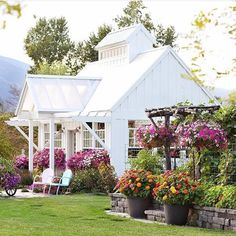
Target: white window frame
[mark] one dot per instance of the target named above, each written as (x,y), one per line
(94,143)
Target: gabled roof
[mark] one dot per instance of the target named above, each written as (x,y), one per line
(53,94)
(124,35)
(117,80)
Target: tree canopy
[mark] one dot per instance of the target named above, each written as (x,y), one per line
(48,41)
(136,12)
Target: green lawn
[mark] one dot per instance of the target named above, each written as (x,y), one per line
(78,215)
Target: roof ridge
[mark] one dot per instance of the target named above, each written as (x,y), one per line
(125,28)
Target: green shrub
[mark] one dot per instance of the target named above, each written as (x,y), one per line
(108,177)
(148,161)
(219,196)
(26,178)
(101,179)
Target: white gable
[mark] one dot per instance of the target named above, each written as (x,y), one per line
(52,94)
(154,78)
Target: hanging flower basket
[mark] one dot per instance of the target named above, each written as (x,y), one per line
(149,136)
(202,135)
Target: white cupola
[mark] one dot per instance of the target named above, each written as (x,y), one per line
(123,45)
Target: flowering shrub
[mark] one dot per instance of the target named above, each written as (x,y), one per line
(8,178)
(21,162)
(88,159)
(175,188)
(202,135)
(136,183)
(41,158)
(148,136)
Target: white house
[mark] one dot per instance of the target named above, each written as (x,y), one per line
(102,106)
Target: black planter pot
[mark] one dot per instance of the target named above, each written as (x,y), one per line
(137,206)
(176,214)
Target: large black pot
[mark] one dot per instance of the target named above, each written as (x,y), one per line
(176,214)
(137,206)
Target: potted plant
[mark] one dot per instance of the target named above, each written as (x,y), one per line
(137,186)
(149,136)
(177,191)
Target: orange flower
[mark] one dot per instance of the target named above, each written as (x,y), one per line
(179,186)
(150,180)
(138,179)
(147,187)
(139,184)
(185,191)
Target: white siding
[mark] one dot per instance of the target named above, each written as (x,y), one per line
(164,85)
(140,43)
(119,143)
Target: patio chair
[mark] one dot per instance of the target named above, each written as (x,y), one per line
(46,178)
(64,181)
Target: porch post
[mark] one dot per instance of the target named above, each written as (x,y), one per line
(51,147)
(31,147)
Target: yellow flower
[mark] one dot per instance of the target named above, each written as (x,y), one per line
(172,189)
(164,198)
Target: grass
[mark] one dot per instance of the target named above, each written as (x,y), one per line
(79,215)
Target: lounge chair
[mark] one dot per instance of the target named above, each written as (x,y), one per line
(46,179)
(64,181)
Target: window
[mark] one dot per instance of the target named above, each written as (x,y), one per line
(88,140)
(134,148)
(57,135)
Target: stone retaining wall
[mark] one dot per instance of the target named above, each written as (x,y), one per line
(214,218)
(205,217)
(118,203)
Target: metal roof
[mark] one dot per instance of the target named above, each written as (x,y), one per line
(118,79)
(123,35)
(53,94)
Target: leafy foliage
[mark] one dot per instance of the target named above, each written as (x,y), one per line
(48,41)
(147,160)
(219,196)
(220,22)
(84,51)
(135,12)
(101,179)
(56,68)
(11,141)
(6,8)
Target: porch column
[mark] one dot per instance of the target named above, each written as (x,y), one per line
(51,147)
(31,147)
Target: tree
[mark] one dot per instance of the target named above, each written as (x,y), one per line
(210,60)
(85,51)
(7,8)
(56,68)
(48,41)
(135,12)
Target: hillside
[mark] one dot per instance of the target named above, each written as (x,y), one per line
(12,73)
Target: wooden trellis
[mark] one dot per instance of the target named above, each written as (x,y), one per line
(176,111)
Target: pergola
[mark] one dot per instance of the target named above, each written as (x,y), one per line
(176,111)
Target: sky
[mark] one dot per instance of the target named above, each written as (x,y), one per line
(84,17)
